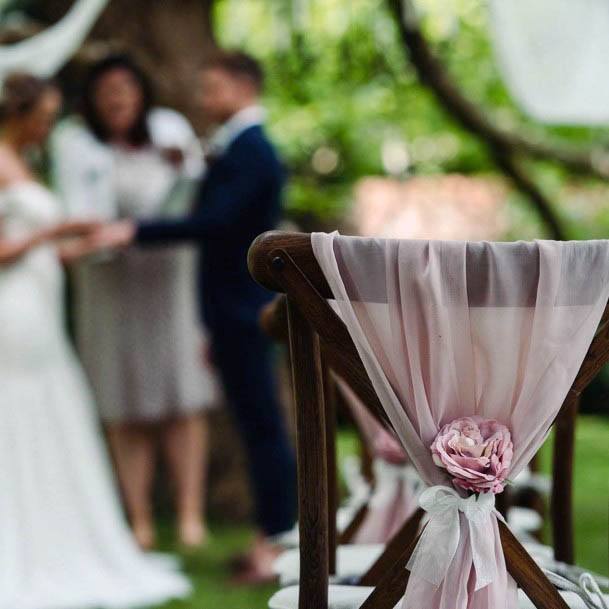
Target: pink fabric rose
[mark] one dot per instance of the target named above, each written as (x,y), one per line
(477,452)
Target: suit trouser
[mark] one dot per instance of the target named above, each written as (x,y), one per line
(244,360)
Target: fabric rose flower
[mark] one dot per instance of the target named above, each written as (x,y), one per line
(476,452)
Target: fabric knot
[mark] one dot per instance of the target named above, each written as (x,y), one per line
(440,539)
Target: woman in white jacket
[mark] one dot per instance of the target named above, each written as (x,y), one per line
(136,326)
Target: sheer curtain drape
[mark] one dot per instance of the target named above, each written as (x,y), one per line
(554,57)
(396,483)
(45,53)
(451,329)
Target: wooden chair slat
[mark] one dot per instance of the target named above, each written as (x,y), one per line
(348,535)
(392,584)
(312,473)
(339,350)
(527,573)
(408,532)
(331,460)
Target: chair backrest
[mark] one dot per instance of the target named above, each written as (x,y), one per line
(372,525)
(286,263)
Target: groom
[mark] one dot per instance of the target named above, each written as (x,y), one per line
(238,199)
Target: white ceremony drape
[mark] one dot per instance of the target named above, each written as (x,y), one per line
(554,57)
(453,329)
(44,54)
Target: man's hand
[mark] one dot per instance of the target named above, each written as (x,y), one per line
(114,235)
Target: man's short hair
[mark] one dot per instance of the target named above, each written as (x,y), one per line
(237,63)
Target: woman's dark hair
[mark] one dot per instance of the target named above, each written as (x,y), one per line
(20,94)
(139,134)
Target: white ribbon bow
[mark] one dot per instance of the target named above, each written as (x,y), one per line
(440,539)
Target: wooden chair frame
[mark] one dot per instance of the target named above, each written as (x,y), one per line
(274,322)
(285,263)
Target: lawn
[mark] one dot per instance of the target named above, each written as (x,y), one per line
(211,580)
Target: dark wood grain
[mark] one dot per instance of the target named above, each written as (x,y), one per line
(311,451)
(339,350)
(561,499)
(392,584)
(330,436)
(301,251)
(350,531)
(527,573)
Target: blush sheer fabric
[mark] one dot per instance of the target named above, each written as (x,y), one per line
(380,442)
(396,483)
(450,329)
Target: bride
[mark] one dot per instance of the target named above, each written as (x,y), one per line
(63,540)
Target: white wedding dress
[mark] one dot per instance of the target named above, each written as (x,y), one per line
(64,543)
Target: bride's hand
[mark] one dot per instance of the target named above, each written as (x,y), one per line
(104,237)
(114,235)
(74,228)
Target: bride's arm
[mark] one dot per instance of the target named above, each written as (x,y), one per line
(11,250)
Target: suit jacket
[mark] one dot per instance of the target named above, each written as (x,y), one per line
(239,198)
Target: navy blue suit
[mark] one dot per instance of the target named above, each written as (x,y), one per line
(239,198)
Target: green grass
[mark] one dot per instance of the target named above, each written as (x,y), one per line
(591,492)
(210,576)
(208,568)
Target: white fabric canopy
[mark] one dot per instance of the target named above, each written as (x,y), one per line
(554,57)
(45,53)
(449,329)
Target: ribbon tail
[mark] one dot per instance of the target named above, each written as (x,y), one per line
(482,540)
(436,547)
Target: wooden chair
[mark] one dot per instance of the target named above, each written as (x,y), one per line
(285,263)
(274,321)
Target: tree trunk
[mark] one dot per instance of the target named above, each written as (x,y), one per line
(170,38)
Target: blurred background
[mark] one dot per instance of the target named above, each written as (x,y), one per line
(383,134)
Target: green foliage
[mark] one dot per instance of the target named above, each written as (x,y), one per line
(591,491)
(338,80)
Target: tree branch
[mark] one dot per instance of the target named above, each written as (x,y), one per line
(510,167)
(432,73)
(503,146)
